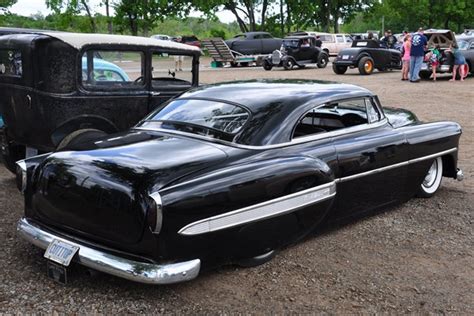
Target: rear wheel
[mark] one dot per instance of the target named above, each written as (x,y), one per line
(339,70)
(425,75)
(323,60)
(80,136)
(288,64)
(366,66)
(432,180)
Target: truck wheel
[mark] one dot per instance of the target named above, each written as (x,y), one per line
(339,70)
(288,64)
(323,60)
(80,136)
(267,65)
(366,66)
(12,154)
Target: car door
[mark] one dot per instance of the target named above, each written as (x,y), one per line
(340,42)
(370,154)
(171,74)
(305,50)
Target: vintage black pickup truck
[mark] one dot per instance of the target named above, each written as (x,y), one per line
(57,87)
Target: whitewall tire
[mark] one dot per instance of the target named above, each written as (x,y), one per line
(432,180)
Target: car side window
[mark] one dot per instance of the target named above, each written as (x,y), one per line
(265,36)
(472,45)
(348,39)
(335,116)
(373,114)
(171,70)
(112,69)
(339,39)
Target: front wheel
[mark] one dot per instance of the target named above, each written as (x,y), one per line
(323,60)
(339,70)
(366,66)
(432,180)
(267,65)
(11,154)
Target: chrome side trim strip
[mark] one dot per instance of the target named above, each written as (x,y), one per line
(397,165)
(108,263)
(268,209)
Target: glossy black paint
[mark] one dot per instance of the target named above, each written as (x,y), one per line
(383,58)
(252,43)
(99,192)
(49,100)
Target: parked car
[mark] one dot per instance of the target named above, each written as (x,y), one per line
(367,55)
(191,40)
(228,173)
(332,43)
(296,51)
(445,38)
(162,37)
(254,43)
(57,86)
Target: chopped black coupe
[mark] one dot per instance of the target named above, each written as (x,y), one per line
(297,51)
(366,55)
(228,173)
(254,43)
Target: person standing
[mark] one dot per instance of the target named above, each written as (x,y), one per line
(459,63)
(318,42)
(417,53)
(178,59)
(406,57)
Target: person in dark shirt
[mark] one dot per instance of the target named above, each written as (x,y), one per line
(389,40)
(318,42)
(417,53)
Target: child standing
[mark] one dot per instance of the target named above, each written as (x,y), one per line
(434,60)
(406,57)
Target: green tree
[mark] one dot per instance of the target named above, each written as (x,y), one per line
(5,4)
(71,8)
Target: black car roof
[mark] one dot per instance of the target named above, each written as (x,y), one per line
(275,104)
(255,94)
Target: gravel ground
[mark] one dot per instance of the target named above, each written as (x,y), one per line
(414,258)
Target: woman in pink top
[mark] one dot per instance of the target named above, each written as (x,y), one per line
(406,56)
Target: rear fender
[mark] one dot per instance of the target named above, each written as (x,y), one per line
(82,122)
(242,185)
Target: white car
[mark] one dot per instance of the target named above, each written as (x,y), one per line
(332,43)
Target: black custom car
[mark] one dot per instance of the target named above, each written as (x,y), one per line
(254,43)
(228,173)
(445,38)
(366,55)
(55,86)
(297,51)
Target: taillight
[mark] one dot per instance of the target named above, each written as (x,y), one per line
(154,213)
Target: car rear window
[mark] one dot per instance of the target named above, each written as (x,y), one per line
(10,63)
(206,115)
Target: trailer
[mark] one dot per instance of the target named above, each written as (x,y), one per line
(222,54)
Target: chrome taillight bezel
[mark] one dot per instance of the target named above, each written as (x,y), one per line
(156,197)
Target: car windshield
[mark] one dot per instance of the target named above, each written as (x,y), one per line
(463,45)
(212,118)
(293,43)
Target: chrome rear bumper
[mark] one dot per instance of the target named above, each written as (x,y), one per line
(111,264)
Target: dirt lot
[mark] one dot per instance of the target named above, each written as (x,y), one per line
(414,258)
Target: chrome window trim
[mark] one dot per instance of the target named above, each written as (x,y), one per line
(265,210)
(296,141)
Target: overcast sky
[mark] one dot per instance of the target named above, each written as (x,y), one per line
(29,7)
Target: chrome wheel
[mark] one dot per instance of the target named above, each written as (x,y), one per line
(432,180)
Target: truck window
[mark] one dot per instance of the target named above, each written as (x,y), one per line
(10,63)
(171,70)
(112,69)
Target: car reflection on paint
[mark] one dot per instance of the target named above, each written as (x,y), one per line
(230,172)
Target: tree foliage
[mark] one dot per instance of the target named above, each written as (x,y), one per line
(5,4)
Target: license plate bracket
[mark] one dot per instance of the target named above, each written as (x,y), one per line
(56,272)
(61,252)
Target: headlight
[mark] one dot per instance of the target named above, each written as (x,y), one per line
(21,176)
(155,213)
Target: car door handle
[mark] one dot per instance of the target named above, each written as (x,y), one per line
(154,94)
